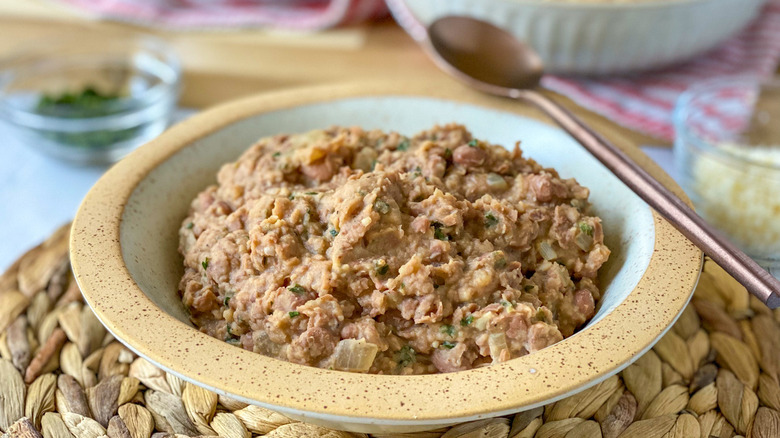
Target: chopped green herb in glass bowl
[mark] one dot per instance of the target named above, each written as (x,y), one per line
(90,103)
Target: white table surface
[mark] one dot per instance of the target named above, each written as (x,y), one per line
(38,194)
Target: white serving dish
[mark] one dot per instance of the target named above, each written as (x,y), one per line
(597,37)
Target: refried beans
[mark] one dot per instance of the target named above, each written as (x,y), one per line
(373,252)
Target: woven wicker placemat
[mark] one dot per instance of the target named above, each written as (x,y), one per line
(715,374)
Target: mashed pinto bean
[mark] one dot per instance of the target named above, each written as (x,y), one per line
(373,252)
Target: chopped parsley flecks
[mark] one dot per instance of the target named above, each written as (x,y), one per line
(293,314)
(276,154)
(490,220)
(448,329)
(291,196)
(89,102)
(448,153)
(227,298)
(382,206)
(190,225)
(205,263)
(406,356)
(586,228)
(297,289)
(467,320)
(382,269)
(448,345)
(500,263)
(438,233)
(474,143)
(528,287)
(312,193)
(403,145)
(334,232)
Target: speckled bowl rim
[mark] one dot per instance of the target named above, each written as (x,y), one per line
(587,358)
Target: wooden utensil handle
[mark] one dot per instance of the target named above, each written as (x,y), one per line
(745,270)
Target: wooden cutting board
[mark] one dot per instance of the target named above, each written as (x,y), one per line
(220,66)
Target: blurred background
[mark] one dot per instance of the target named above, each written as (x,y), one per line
(83,82)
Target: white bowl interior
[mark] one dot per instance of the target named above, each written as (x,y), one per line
(169,188)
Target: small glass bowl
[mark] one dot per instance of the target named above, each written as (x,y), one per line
(133,85)
(727,151)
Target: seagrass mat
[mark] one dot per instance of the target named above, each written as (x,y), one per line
(715,374)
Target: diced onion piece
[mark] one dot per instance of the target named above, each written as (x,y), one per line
(547,251)
(481,322)
(354,355)
(496,181)
(300,142)
(579,204)
(364,159)
(264,344)
(497,344)
(584,241)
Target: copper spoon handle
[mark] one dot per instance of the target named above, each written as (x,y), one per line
(744,269)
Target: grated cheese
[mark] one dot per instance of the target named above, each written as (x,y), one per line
(742,199)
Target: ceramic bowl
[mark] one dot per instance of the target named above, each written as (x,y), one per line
(124,255)
(597,36)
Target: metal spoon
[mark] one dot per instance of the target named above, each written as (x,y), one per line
(491,60)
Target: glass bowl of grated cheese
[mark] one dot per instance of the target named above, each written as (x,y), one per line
(727,151)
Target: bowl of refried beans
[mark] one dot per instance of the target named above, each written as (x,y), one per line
(378,260)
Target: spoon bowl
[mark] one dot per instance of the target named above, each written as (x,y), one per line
(492,60)
(482,51)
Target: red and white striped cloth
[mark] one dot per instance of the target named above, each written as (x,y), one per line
(303,15)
